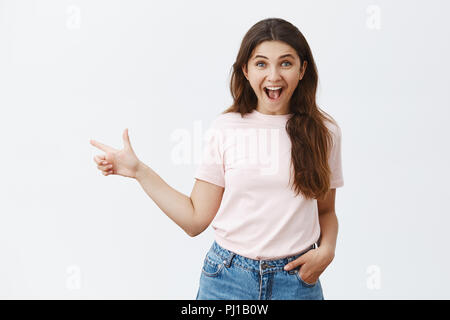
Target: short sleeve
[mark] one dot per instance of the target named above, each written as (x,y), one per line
(335,160)
(211,167)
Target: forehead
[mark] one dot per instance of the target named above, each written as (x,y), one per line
(273,49)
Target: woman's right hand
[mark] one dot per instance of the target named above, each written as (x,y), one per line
(122,162)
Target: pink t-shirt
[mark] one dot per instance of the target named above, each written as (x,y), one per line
(260,217)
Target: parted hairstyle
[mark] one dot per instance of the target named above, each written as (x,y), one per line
(310,138)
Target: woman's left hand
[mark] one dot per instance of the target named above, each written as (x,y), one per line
(313,263)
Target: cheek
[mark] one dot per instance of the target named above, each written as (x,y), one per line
(293,83)
(292,78)
(256,84)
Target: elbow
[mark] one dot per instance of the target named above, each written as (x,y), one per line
(192,233)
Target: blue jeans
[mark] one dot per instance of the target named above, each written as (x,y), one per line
(229,276)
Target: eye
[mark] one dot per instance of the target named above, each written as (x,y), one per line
(259,62)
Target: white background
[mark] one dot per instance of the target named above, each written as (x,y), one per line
(71,71)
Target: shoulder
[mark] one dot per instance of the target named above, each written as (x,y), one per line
(228,119)
(219,125)
(229,116)
(335,132)
(334,128)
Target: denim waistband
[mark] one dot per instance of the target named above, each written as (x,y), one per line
(255,265)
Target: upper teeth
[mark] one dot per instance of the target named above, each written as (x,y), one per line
(273,88)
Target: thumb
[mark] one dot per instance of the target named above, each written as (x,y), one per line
(126,139)
(295,263)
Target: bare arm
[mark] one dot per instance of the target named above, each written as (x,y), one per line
(328,223)
(193,214)
(206,198)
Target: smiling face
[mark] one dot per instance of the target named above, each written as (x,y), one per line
(274,64)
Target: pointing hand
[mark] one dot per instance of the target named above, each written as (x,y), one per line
(122,162)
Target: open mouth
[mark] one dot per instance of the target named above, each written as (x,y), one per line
(273,95)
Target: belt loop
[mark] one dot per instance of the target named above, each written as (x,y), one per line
(227,261)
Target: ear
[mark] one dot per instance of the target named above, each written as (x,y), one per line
(244,70)
(303,69)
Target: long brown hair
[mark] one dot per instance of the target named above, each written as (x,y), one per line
(310,138)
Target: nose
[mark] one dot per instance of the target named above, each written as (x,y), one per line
(274,74)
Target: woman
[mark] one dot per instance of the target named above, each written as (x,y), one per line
(273,239)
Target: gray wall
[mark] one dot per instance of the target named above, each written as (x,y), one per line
(71,71)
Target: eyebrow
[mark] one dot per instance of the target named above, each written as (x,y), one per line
(281,57)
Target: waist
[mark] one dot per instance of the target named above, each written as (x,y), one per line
(276,264)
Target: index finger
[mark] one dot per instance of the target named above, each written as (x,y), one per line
(102,146)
